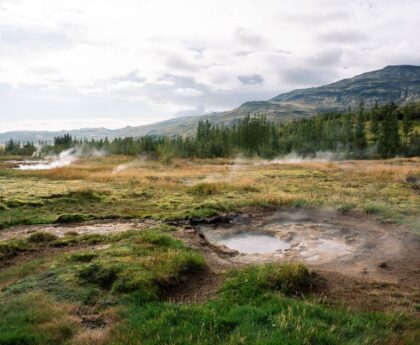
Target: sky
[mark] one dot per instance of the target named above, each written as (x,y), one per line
(106,63)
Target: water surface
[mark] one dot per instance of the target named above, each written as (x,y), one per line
(253,243)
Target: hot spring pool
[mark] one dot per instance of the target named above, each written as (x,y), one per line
(253,243)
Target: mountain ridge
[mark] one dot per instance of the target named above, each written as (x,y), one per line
(396,83)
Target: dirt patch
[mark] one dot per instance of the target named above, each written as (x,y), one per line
(336,289)
(196,288)
(352,244)
(103,227)
(363,263)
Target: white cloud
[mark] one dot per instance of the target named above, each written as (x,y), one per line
(188,92)
(141,60)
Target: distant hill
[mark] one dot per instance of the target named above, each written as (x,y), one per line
(399,84)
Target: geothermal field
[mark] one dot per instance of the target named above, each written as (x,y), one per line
(99,250)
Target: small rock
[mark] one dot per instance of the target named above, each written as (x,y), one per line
(383,265)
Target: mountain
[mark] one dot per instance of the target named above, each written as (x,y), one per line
(399,84)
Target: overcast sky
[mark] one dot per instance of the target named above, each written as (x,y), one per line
(105,63)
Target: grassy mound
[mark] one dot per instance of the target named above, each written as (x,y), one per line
(253,307)
(290,279)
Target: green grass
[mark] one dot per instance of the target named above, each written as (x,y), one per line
(265,304)
(253,308)
(34,319)
(40,240)
(146,262)
(268,304)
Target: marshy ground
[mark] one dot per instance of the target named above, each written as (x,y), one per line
(118,251)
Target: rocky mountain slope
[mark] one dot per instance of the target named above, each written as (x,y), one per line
(399,84)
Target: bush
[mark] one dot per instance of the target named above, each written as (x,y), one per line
(41,237)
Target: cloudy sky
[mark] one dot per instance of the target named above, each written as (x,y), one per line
(106,63)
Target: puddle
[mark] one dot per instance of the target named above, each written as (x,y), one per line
(254,243)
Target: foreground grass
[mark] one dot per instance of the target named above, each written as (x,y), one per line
(123,277)
(41,307)
(126,277)
(118,187)
(254,307)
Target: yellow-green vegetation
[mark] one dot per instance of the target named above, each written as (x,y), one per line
(117,187)
(110,289)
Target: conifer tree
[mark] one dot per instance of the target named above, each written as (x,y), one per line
(359,138)
(389,138)
(375,122)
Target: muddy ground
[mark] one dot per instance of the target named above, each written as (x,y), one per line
(359,262)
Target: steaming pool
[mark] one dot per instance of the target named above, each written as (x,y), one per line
(63,159)
(283,236)
(254,243)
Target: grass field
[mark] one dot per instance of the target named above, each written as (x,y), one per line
(119,187)
(111,289)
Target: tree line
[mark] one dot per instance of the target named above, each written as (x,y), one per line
(380,132)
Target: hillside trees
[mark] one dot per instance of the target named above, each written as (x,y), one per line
(393,131)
